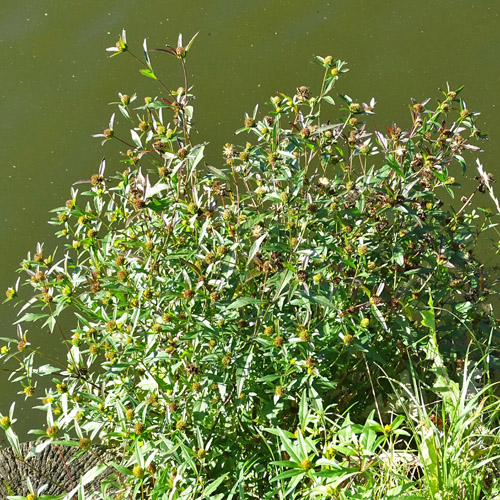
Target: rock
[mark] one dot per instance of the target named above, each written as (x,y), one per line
(48,468)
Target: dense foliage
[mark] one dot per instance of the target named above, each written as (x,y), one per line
(253,329)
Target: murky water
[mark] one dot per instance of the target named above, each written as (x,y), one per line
(56,82)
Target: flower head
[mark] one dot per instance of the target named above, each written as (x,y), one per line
(120,46)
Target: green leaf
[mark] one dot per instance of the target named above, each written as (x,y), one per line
(428,319)
(188,46)
(287,444)
(136,138)
(243,374)
(193,161)
(211,487)
(398,255)
(255,248)
(13,440)
(317,299)
(147,72)
(288,473)
(30,317)
(244,301)
(121,469)
(219,174)
(329,100)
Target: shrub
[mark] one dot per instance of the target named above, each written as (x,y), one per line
(225,318)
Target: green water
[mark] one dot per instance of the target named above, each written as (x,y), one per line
(56,81)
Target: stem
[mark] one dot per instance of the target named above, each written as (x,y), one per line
(184,123)
(65,466)
(142,63)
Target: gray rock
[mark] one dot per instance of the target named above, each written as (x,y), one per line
(48,468)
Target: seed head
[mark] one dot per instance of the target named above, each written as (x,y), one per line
(273,157)
(348,339)
(305,132)
(249,122)
(279,390)
(156,328)
(306,464)
(61,388)
(196,387)
(304,335)
(5,422)
(302,93)
(312,208)
(365,322)
(188,294)
(139,428)
(181,425)
(201,453)
(210,258)
(51,431)
(244,156)
(139,204)
(269,330)
(278,341)
(122,274)
(355,107)
(302,275)
(138,471)
(84,443)
(120,260)
(129,414)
